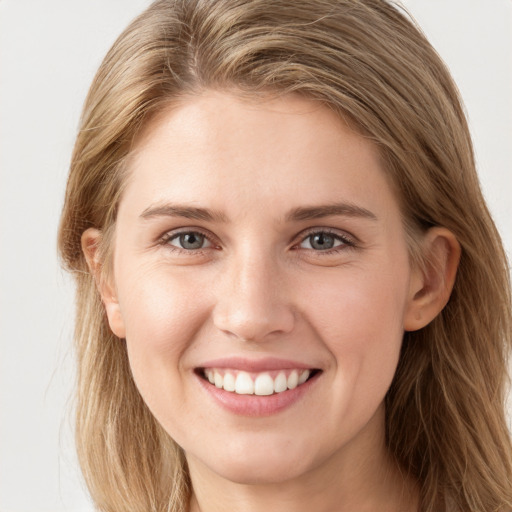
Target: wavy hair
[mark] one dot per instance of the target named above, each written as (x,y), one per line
(367,61)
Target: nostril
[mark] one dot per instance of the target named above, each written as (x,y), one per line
(254,325)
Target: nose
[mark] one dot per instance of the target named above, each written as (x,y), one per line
(252,304)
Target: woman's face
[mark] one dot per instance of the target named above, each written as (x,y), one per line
(259,244)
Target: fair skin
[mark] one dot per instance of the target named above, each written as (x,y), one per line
(264,238)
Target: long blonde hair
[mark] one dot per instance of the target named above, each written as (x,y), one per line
(366,60)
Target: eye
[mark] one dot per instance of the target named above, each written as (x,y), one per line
(323,241)
(190,241)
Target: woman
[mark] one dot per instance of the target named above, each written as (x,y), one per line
(290,292)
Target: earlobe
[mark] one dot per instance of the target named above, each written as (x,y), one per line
(91,241)
(432,284)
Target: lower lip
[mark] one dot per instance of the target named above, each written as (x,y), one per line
(255,405)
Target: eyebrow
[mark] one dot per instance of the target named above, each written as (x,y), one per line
(339,209)
(301,213)
(188,212)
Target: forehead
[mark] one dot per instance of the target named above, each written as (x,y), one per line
(237,152)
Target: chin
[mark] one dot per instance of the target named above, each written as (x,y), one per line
(261,463)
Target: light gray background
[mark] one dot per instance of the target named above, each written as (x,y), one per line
(49,51)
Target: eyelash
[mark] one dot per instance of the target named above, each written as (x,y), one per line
(348,242)
(171,235)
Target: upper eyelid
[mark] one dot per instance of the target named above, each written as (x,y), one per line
(344,235)
(173,233)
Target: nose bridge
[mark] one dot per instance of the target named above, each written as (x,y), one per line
(252,302)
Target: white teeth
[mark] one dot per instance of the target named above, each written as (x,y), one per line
(219,380)
(293,379)
(244,384)
(281,383)
(263,384)
(229,382)
(303,377)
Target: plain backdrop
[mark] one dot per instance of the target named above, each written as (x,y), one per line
(49,51)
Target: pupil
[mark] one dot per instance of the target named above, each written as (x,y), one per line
(322,241)
(191,241)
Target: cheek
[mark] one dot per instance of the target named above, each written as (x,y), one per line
(358,304)
(159,305)
(163,315)
(359,317)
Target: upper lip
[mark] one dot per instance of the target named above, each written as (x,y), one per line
(255,365)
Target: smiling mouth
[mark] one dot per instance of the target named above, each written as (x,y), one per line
(256,383)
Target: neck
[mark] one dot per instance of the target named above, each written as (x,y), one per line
(361,476)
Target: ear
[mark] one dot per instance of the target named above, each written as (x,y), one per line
(91,241)
(432,284)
